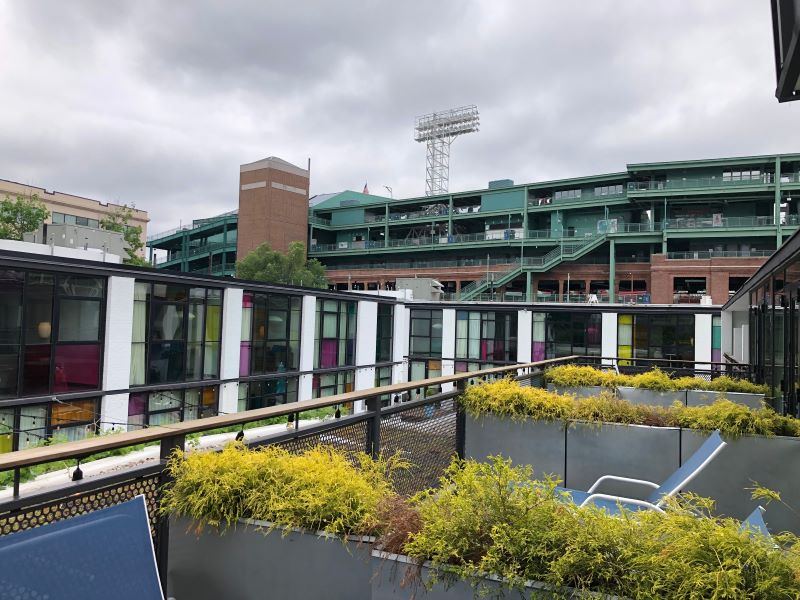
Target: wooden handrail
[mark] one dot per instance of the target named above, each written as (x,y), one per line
(87,447)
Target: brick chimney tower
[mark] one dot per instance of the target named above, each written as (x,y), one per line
(273,205)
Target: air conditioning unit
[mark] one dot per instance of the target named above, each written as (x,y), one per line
(343,245)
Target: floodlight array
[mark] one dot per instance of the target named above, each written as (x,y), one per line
(446,124)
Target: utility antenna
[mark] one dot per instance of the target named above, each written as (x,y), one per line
(438,130)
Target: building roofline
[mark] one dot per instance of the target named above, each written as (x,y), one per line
(26,260)
(51,193)
(756,159)
(564,182)
(438,198)
(273,162)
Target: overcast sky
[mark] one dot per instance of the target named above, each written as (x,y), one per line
(157,103)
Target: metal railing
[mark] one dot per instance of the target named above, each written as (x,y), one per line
(676,367)
(472,262)
(197,251)
(718,222)
(194,225)
(439,211)
(696,255)
(585,195)
(702,182)
(314,220)
(427,429)
(496,235)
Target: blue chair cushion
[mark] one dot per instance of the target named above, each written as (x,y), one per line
(103,554)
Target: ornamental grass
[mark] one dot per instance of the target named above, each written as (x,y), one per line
(321,489)
(655,379)
(491,518)
(507,398)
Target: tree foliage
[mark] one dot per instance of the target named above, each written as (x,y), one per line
(118,221)
(21,216)
(292,268)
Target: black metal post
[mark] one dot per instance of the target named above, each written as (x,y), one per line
(17,477)
(374,427)
(162,528)
(461,420)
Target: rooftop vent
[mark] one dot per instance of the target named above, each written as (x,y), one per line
(500,183)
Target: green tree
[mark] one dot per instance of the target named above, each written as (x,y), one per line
(21,216)
(266,264)
(118,221)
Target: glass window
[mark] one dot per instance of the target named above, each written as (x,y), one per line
(335,334)
(668,337)
(177,333)
(330,384)
(166,362)
(57,218)
(167,323)
(79,320)
(77,367)
(426,333)
(32,426)
(489,336)
(141,295)
(272,342)
(558,334)
(385,324)
(50,332)
(169,292)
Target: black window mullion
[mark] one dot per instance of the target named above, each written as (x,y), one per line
(21,340)
(54,320)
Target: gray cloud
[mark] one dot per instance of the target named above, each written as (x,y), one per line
(157,103)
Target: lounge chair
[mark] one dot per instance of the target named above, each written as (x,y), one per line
(655,501)
(755,524)
(103,554)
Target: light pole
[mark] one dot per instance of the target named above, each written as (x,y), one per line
(633,298)
(388,189)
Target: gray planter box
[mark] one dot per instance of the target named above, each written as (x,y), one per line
(393,580)
(650,397)
(586,391)
(540,444)
(635,451)
(773,462)
(243,563)
(703,398)
(583,452)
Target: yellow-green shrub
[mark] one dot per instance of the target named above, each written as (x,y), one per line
(577,376)
(734,419)
(507,398)
(320,489)
(655,379)
(491,518)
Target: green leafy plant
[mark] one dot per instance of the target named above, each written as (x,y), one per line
(506,398)
(21,216)
(320,489)
(491,518)
(117,221)
(293,267)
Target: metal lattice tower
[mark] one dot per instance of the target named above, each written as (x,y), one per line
(438,130)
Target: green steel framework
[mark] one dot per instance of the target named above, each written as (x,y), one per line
(534,227)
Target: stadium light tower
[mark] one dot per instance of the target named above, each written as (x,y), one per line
(438,130)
